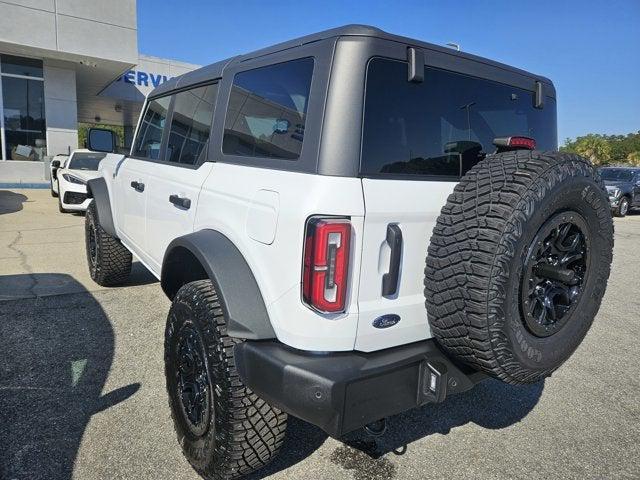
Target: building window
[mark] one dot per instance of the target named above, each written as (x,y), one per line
(26,67)
(22,105)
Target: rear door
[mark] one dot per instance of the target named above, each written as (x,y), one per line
(174,182)
(417,140)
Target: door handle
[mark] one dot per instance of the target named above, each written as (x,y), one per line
(181,202)
(137,186)
(390,279)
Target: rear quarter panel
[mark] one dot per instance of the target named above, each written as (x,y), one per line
(263,212)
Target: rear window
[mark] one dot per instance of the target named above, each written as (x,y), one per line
(267,111)
(86,161)
(444,125)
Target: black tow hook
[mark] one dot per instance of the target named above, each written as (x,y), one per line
(377,428)
(563,275)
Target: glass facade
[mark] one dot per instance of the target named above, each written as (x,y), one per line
(23,110)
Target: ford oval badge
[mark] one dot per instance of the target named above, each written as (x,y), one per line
(386,321)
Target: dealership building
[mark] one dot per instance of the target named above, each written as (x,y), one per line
(64,62)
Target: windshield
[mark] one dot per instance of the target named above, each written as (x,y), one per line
(616,174)
(85,161)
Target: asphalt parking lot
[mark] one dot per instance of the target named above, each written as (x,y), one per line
(82,386)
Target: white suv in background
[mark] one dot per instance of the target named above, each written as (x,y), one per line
(72,177)
(349,225)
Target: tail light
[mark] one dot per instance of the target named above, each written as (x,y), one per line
(515,143)
(326,264)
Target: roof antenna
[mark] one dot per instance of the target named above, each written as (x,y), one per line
(453,45)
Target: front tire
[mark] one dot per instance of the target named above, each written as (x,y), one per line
(109,261)
(623,208)
(225,430)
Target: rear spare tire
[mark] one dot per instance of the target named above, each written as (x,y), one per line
(518,263)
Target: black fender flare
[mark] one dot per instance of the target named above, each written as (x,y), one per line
(97,189)
(226,267)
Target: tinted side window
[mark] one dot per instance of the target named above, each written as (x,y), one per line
(267,110)
(150,133)
(191,124)
(444,125)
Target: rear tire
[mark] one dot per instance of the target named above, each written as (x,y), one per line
(507,288)
(109,261)
(225,430)
(622,208)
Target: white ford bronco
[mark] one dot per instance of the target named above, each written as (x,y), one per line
(349,225)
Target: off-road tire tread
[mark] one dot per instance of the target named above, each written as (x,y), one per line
(113,264)
(249,431)
(474,238)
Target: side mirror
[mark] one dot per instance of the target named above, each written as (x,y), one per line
(101,140)
(55,164)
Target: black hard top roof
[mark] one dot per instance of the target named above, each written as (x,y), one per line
(215,70)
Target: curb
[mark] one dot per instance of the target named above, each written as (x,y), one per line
(25,185)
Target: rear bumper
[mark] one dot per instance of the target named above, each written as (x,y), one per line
(343,391)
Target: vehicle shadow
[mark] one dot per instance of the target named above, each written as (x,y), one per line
(491,404)
(55,355)
(139,276)
(11,202)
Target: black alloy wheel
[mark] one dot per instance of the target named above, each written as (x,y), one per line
(554,273)
(92,244)
(192,381)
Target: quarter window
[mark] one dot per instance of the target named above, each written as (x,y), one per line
(191,125)
(267,111)
(444,125)
(149,138)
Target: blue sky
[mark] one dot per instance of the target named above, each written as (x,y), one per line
(589,48)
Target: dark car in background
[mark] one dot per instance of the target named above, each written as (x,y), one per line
(623,188)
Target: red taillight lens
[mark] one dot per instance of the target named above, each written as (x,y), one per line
(514,143)
(522,142)
(326,264)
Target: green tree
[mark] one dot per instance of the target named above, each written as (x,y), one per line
(634,158)
(606,149)
(594,147)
